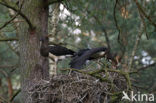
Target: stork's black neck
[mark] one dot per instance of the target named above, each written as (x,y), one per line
(44,50)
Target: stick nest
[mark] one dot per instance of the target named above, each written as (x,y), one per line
(77,88)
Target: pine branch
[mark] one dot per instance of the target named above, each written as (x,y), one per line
(12,6)
(8,39)
(145,15)
(143,68)
(8,22)
(135,47)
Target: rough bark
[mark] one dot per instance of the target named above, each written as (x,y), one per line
(54,23)
(33,66)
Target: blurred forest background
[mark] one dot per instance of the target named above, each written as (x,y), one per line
(126,27)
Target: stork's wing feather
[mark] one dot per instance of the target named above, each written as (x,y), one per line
(78,61)
(60,50)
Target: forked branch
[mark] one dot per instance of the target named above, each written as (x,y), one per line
(12,6)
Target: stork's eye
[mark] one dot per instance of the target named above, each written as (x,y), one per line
(41,39)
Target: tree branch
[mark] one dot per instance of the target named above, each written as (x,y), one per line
(4,73)
(10,88)
(9,43)
(143,21)
(3,100)
(143,68)
(8,39)
(122,46)
(135,47)
(12,67)
(12,98)
(142,11)
(103,29)
(11,5)
(115,20)
(8,22)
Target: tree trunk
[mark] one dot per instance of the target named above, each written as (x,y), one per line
(33,66)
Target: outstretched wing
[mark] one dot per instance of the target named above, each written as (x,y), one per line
(81,52)
(78,61)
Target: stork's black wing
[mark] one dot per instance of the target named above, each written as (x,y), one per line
(60,50)
(80,52)
(78,61)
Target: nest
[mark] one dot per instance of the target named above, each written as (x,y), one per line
(76,88)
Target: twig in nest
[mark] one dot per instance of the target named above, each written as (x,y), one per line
(98,76)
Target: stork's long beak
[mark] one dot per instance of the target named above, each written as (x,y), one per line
(99,55)
(40,40)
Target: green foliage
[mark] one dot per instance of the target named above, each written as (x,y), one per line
(90,17)
(93,16)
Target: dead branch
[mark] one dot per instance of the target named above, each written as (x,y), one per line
(11,5)
(118,28)
(4,73)
(3,100)
(8,39)
(13,67)
(103,29)
(143,68)
(8,22)
(143,22)
(115,19)
(135,47)
(145,15)
(9,43)
(10,89)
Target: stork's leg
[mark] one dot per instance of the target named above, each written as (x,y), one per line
(53,64)
(70,71)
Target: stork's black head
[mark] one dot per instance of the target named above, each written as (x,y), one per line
(44,49)
(44,38)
